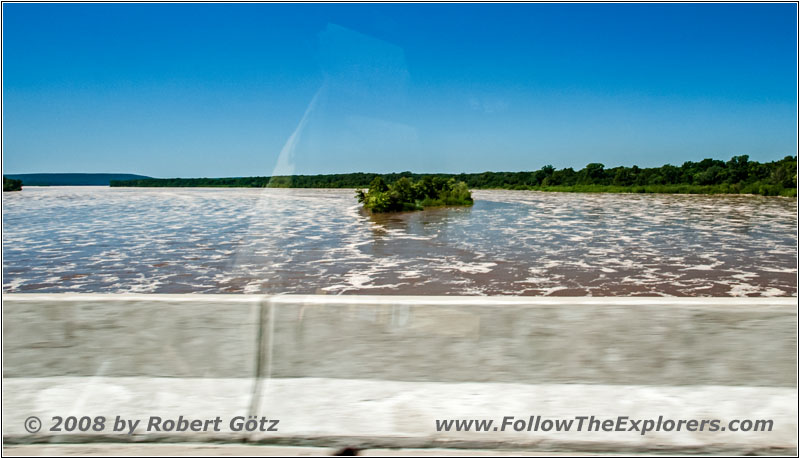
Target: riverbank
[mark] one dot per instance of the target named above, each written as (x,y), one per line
(739,175)
(757,190)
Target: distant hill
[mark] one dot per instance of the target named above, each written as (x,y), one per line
(72,179)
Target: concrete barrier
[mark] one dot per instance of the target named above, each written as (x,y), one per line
(379,371)
(213,336)
(660,341)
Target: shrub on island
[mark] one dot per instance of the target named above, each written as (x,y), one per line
(406,195)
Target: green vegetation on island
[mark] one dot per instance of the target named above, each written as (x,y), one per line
(739,175)
(11,184)
(406,195)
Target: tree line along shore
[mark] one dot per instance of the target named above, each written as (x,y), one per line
(739,175)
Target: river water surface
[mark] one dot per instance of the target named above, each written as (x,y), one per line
(179,240)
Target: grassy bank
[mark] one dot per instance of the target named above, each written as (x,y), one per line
(756,189)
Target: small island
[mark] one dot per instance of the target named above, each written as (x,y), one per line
(407,195)
(11,184)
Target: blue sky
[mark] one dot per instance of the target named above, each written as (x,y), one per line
(175,90)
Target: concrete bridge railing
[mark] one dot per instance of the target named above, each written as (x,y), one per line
(379,371)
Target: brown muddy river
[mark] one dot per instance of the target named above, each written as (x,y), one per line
(110,240)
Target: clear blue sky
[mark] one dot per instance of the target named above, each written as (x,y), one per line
(171,90)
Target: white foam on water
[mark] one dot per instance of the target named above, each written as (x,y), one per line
(302,241)
(550,290)
(534,280)
(700,268)
(743,289)
(471,268)
(772,269)
(772,291)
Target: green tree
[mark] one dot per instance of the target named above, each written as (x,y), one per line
(593,173)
